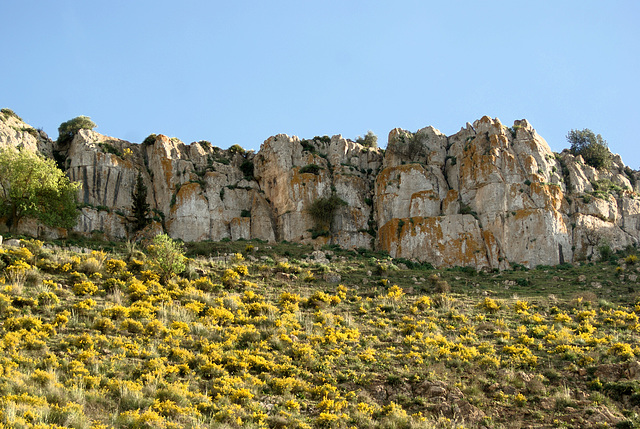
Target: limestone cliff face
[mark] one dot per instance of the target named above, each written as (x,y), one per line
(501,196)
(487,196)
(198,192)
(293,174)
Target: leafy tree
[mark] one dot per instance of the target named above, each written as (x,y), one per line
(67,130)
(140,208)
(369,140)
(167,256)
(32,186)
(593,148)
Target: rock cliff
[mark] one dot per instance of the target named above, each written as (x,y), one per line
(488,196)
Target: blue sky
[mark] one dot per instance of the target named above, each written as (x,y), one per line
(237,72)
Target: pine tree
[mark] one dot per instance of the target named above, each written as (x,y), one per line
(140,207)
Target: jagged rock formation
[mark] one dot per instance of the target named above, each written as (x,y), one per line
(487,196)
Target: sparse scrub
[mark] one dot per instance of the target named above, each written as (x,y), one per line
(255,343)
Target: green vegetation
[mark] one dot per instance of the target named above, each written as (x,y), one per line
(309,145)
(32,186)
(593,148)
(167,256)
(369,140)
(206,144)
(311,168)
(150,139)
(140,208)
(236,148)
(67,130)
(322,211)
(109,148)
(101,340)
(247,169)
(8,113)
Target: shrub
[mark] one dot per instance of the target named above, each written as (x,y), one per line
(167,256)
(322,211)
(310,168)
(85,288)
(369,140)
(631,259)
(489,305)
(236,148)
(606,253)
(150,139)
(10,113)
(115,266)
(67,130)
(593,148)
(247,169)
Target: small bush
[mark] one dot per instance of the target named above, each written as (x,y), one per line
(115,266)
(310,168)
(236,149)
(10,113)
(606,253)
(85,288)
(322,211)
(247,169)
(150,139)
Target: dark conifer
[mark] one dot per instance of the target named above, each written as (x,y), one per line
(140,207)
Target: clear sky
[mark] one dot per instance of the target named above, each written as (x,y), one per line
(240,71)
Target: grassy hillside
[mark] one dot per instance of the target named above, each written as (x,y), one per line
(257,335)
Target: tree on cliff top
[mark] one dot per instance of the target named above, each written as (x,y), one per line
(593,148)
(67,130)
(369,140)
(32,186)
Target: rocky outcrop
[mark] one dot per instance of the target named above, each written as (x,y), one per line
(14,132)
(516,200)
(293,174)
(488,196)
(197,192)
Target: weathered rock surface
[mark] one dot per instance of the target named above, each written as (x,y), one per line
(293,174)
(518,200)
(15,132)
(487,196)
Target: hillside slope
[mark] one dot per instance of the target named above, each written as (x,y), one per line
(246,337)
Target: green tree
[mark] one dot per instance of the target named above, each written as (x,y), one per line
(32,186)
(593,148)
(167,256)
(369,140)
(140,208)
(67,130)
